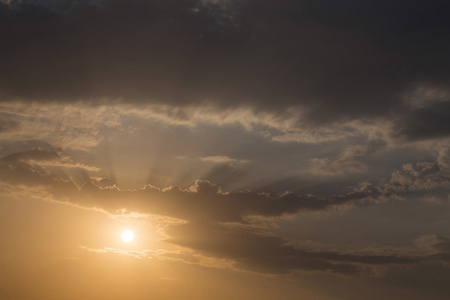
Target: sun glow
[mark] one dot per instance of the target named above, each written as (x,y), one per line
(127,236)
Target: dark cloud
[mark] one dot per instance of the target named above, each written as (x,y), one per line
(33,154)
(45,165)
(14,146)
(217,223)
(17,172)
(226,174)
(431,278)
(269,254)
(204,200)
(429,122)
(423,175)
(270,54)
(205,203)
(8,124)
(442,244)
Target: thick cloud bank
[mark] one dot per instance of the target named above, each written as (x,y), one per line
(335,61)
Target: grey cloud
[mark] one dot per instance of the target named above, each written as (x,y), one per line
(226,174)
(204,201)
(423,175)
(210,215)
(45,165)
(424,123)
(412,180)
(17,172)
(346,163)
(7,124)
(349,161)
(33,154)
(270,254)
(442,247)
(442,244)
(270,55)
(443,159)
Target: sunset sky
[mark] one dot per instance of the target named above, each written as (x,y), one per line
(255,149)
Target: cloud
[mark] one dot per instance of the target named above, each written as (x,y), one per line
(226,175)
(221,159)
(316,135)
(262,253)
(207,215)
(204,200)
(441,245)
(423,175)
(266,55)
(46,166)
(347,162)
(342,165)
(47,157)
(430,122)
(7,124)
(38,154)
(65,126)
(147,253)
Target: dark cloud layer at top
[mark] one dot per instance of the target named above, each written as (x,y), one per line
(354,59)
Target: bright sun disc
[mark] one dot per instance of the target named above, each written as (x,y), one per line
(127,236)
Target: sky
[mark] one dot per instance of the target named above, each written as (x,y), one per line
(257,149)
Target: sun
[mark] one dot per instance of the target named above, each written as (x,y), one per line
(127,236)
